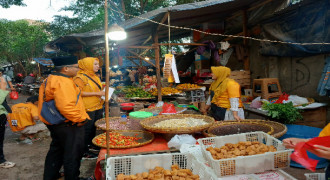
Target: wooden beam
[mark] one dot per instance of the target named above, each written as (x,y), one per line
(136,54)
(148,39)
(136,47)
(81,41)
(183,44)
(162,21)
(159,84)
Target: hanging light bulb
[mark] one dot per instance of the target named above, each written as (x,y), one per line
(116,33)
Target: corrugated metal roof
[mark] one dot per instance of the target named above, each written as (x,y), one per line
(191,15)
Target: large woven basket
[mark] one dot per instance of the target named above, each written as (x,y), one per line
(235,127)
(147,137)
(157,110)
(279,128)
(148,123)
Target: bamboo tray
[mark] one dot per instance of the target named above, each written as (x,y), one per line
(148,124)
(147,137)
(157,110)
(279,128)
(228,128)
(101,122)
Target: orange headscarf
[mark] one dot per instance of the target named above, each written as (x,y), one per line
(220,84)
(86,66)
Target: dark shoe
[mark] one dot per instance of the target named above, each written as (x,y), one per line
(94,148)
(89,155)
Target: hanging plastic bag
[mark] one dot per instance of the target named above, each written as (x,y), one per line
(256,103)
(13,95)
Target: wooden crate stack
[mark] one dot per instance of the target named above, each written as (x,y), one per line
(242,77)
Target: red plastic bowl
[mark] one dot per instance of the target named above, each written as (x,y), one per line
(127,106)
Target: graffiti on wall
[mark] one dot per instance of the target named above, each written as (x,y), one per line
(300,74)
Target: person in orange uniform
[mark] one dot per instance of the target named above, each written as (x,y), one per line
(225,96)
(23,119)
(67,143)
(321,151)
(91,87)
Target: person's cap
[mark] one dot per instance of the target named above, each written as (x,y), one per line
(65,60)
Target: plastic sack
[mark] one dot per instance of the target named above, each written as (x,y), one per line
(178,140)
(300,151)
(256,103)
(297,100)
(160,104)
(168,109)
(13,95)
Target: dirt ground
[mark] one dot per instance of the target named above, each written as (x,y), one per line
(30,159)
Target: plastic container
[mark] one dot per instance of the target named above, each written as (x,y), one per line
(135,118)
(123,119)
(305,132)
(129,165)
(246,164)
(315,176)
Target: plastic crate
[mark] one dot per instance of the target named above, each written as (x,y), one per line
(246,164)
(142,163)
(315,176)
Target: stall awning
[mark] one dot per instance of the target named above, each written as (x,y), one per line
(44,61)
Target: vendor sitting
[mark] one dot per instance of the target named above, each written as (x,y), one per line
(23,120)
(225,96)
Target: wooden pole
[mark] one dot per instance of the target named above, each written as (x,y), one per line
(159,84)
(107,63)
(245,41)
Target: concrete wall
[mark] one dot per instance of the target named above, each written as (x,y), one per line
(297,76)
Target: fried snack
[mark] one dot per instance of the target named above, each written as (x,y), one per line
(159,173)
(248,148)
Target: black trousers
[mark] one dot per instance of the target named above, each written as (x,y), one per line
(65,149)
(218,113)
(90,129)
(327,172)
(3,120)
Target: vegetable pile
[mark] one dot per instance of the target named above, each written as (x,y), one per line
(118,140)
(285,113)
(136,92)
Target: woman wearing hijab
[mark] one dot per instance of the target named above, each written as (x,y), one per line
(225,96)
(91,87)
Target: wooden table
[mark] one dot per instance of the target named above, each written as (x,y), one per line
(315,117)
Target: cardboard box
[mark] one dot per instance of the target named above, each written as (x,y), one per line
(203,64)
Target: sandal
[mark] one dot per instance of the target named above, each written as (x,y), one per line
(7,164)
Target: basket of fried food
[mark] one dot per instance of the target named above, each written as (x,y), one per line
(157,110)
(177,123)
(124,139)
(273,128)
(188,87)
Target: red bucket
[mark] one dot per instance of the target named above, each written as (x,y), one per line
(127,106)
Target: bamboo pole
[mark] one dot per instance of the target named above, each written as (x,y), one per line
(107,63)
(245,41)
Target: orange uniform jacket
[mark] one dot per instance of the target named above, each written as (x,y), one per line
(22,116)
(64,91)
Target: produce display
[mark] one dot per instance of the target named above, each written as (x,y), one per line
(131,92)
(116,125)
(177,123)
(160,173)
(166,91)
(248,148)
(187,86)
(117,139)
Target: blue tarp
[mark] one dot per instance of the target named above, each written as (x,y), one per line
(44,61)
(306,22)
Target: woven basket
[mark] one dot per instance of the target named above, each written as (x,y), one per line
(157,110)
(147,137)
(229,127)
(149,122)
(279,129)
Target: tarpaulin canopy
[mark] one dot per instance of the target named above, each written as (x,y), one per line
(192,15)
(306,22)
(44,61)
